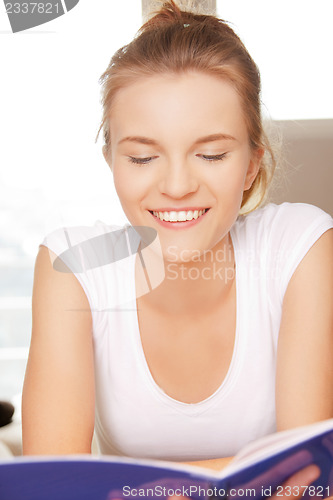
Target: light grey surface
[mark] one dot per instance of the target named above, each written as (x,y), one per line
(5,451)
(11,439)
(307,157)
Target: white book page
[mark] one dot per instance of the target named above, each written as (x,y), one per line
(274,443)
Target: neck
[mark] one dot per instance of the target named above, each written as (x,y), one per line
(188,287)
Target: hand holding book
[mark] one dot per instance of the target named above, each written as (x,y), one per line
(265,485)
(289,465)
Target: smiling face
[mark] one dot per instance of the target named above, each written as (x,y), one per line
(181,159)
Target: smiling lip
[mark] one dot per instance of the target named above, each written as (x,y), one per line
(188,216)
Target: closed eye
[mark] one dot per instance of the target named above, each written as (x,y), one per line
(141,161)
(213,158)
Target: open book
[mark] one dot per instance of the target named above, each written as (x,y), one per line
(256,472)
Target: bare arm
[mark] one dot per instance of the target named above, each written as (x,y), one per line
(304,389)
(213,464)
(58,393)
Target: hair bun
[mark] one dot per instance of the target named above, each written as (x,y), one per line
(171,13)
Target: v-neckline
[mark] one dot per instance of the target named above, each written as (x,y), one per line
(232,369)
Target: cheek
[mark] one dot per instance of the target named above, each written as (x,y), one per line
(229,184)
(133,183)
(124,184)
(238,171)
(131,190)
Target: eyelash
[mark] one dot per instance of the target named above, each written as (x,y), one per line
(144,161)
(141,161)
(213,158)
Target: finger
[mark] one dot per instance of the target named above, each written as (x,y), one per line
(272,477)
(292,488)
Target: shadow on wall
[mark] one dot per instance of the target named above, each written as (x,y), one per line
(307,157)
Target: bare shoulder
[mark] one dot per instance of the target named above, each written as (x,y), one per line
(311,286)
(58,395)
(59,290)
(305,348)
(318,260)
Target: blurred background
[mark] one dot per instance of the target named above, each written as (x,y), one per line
(53,174)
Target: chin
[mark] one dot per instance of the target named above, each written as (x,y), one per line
(181,255)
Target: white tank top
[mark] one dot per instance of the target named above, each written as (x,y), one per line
(134,416)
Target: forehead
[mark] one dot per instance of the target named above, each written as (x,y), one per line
(178,107)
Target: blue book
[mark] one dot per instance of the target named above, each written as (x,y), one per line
(258,471)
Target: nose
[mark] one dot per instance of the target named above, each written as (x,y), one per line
(178,180)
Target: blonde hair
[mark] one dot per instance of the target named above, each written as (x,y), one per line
(176,41)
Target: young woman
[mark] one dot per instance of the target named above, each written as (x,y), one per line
(209,329)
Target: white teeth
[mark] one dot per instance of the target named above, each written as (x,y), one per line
(181,216)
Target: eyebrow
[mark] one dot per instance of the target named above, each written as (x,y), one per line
(201,140)
(139,139)
(215,137)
